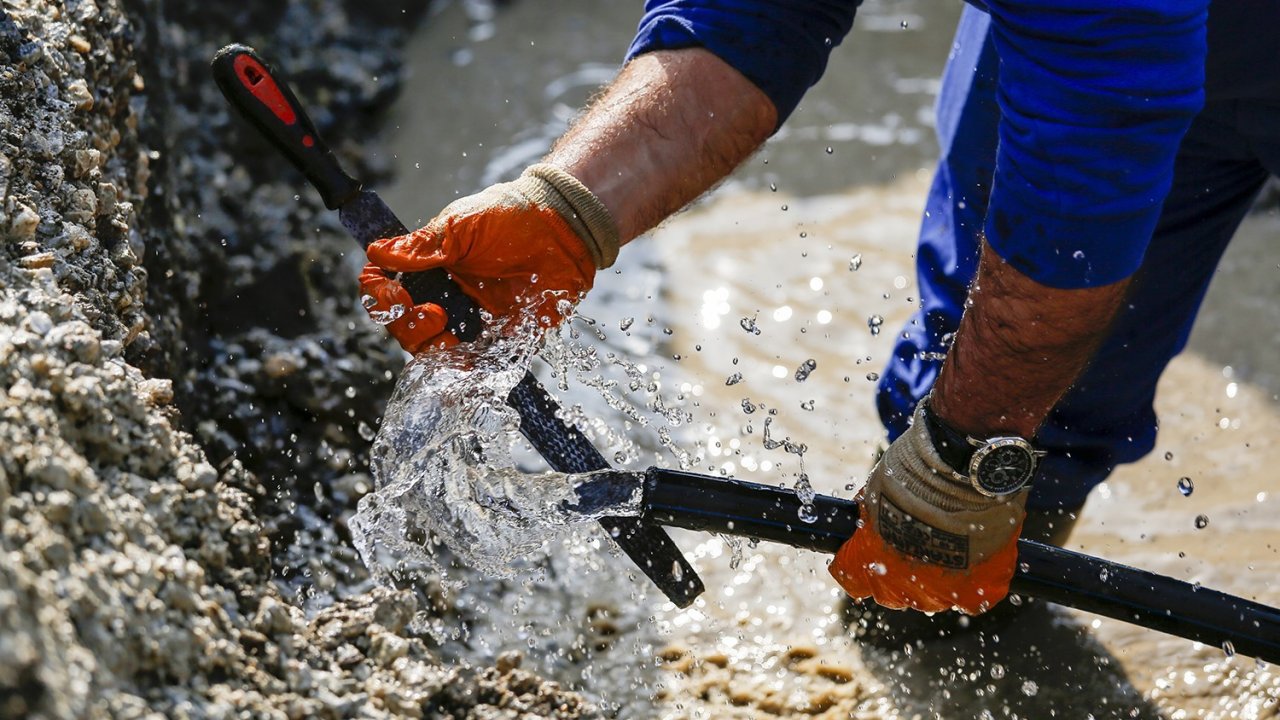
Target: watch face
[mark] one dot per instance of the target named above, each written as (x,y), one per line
(1002,466)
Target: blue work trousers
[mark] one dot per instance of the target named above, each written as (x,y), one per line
(1107,417)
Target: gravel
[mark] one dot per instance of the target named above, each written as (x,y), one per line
(187,388)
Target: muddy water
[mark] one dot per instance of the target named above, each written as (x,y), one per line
(758,283)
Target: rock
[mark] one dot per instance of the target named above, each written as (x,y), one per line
(508,661)
(77,93)
(39,322)
(273,617)
(22,226)
(37,261)
(385,647)
(156,391)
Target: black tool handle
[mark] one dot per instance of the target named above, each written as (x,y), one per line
(264,98)
(1084,582)
(251,87)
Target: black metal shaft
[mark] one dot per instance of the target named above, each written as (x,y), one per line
(1072,579)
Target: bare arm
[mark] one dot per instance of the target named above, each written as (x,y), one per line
(674,123)
(669,127)
(1019,347)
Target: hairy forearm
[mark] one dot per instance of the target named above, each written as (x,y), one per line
(669,127)
(1019,347)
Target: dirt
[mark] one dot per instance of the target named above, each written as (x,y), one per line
(186,387)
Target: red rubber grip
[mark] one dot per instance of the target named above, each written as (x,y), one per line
(258,81)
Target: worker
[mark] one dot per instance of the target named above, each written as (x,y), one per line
(1097,155)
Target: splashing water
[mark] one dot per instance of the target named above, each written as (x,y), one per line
(388,316)
(806,368)
(442,467)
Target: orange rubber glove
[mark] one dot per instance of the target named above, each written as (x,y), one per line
(525,245)
(926,539)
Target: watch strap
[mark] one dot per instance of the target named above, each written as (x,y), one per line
(953,446)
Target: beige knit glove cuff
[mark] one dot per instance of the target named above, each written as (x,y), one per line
(552,187)
(931,512)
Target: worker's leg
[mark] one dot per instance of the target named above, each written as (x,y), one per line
(947,253)
(1108,418)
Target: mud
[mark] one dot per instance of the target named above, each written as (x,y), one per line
(186,387)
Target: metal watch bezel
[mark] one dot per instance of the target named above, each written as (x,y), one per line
(984,450)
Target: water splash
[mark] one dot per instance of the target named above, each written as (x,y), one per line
(874,323)
(805,369)
(388,316)
(1186,486)
(443,468)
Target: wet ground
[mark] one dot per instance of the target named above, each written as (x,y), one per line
(810,244)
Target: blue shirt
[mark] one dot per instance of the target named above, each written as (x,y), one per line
(1095,96)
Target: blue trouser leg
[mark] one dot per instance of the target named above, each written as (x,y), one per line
(1107,417)
(947,254)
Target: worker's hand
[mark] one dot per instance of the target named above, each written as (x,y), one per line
(927,540)
(525,246)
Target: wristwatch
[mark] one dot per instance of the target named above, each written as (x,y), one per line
(995,467)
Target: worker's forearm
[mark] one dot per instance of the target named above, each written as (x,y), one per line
(669,127)
(1019,347)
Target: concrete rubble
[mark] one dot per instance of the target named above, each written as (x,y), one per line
(187,387)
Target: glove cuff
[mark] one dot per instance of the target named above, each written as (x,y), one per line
(921,489)
(581,209)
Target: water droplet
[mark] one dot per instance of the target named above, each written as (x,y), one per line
(368,301)
(808,514)
(1078,255)
(904,24)
(807,405)
(1168,456)
(997,671)
(350,392)
(365,430)
(748,407)
(855,262)
(873,376)
(733,379)
(806,367)
(1229,648)
(1202,521)
(1104,574)
(749,324)
(1186,486)
(625,323)
(830,149)
(875,322)
(386,317)
(533,279)
(773,187)
(1030,688)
